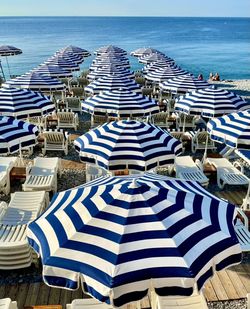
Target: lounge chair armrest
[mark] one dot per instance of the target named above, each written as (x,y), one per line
(3,207)
(28,168)
(239,166)
(244,217)
(199,164)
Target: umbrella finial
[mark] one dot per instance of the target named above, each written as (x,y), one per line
(134,184)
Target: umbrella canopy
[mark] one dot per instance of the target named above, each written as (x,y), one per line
(61,61)
(110,56)
(128,144)
(114,62)
(184,83)
(70,56)
(120,103)
(110,49)
(35,81)
(123,236)
(112,82)
(76,50)
(7,50)
(232,129)
(23,103)
(153,58)
(145,51)
(110,69)
(53,71)
(161,64)
(16,134)
(210,102)
(165,74)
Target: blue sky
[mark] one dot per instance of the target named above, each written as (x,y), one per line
(234,8)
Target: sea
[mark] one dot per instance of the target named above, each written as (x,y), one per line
(199,45)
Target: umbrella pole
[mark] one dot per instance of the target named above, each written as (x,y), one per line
(246,204)
(8,65)
(184,123)
(205,151)
(21,155)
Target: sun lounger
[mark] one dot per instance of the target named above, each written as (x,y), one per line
(42,175)
(55,140)
(186,121)
(23,208)
(242,231)
(6,164)
(228,173)
(161,120)
(74,103)
(6,303)
(67,119)
(187,169)
(93,172)
(88,303)
(201,141)
(195,301)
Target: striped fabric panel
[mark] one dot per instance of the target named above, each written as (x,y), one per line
(7,50)
(110,49)
(125,235)
(232,129)
(109,70)
(161,64)
(107,62)
(146,59)
(61,61)
(78,59)
(145,51)
(160,75)
(211,102)
(112,82)
(21,103)
(128,144)
(122,103)
(53,71)
(184,83)
(35,81)
(15,134)
(76,50)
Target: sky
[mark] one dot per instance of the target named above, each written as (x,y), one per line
(214,8)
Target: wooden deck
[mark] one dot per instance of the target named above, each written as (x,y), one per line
(233,283)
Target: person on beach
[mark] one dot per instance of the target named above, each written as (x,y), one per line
(200,77)
(211,76)
(216,77)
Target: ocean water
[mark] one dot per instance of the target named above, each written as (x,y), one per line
(200,45)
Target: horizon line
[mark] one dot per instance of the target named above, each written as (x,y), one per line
(136,16)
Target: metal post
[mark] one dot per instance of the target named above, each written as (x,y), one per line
(2,72)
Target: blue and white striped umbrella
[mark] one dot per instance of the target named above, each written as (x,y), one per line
(114,62)
(64,63)
(24,103)
(161,75)
(110,69)
(76,50)
(210,102)
(53,71)
(153,58)
(161,64)
(110,49)
(70,56)
(128,144)
(124,236)
(120,103)
(16,134)
(183,83)
(232,129)
(35,81)
(110,56)
(145,51)
(112,82)
(7,50)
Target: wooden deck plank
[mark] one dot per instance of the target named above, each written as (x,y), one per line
(33,291)
(218,288)
(2,290)
(209,292)
(65,297)
(43,294)
(12,291)
(78,294)
(244,277)
(228,285)
(22,294)
(54,296)
(145,302)
(239,286)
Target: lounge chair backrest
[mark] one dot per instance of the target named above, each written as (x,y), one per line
(8,160)
(66,115)
(160,117)
(55,136)
(51,163)
(77,91)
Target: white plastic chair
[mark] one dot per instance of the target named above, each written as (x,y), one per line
(67,119)
(228,173)
(202,141)
(55,140)
(242,231)
(6,303)
(93,172)
(187,169)
(42,175)
(6,164)
(23,208)
(89,303)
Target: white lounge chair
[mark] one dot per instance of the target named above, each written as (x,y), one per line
(42,175)
(187,169)
(242,231)
(93,172)
(6,164)
(39,121)
(228,173)
(161,120)
(195,301)
(23,208)
(89,303)
(55,140)
(186,122)
(201,141)
(6,303)
(67,119)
